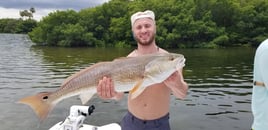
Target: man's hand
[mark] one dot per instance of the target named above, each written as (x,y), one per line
(176,83)
(105,89)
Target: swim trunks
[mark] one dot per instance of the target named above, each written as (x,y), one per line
(130,122)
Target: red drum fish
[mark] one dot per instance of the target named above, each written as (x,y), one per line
(129,74)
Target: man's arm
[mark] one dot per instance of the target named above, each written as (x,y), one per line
(177,84)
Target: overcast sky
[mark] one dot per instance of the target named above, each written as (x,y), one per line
(11,8)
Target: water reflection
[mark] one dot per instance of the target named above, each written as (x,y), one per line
(219,79)
(72,57)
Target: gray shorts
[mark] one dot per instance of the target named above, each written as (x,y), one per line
(130,122)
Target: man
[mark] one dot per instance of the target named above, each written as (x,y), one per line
(150,110)
(260,88)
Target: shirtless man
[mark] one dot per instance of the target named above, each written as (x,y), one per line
(150,110)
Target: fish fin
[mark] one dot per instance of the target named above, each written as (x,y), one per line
(39,104)
(85,70)
(85,97)
(150,68)
(137,89)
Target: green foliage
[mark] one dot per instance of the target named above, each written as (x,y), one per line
(122,45)
(72,35)
(17,25)
(180,23)
(60,28)
(37,36)
(26,26)
(8,25)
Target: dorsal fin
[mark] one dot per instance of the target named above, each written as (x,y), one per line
(82,72)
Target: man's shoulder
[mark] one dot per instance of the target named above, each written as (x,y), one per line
(161,50)
(132,54)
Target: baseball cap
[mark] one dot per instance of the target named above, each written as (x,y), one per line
(145,14)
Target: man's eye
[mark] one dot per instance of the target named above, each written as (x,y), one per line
(147,25)
(138,27)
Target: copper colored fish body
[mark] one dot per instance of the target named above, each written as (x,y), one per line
(131,74)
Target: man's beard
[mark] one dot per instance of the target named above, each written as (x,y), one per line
(145,43)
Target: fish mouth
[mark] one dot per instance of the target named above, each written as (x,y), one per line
(180,62)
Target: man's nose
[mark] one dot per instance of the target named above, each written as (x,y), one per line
(143,29)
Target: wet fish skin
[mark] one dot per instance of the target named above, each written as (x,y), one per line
(132,74)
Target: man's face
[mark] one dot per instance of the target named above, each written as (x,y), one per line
(144,31)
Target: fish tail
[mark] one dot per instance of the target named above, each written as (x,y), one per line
(39,103)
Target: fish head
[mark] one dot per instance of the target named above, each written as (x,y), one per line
(167,61)
(158,70)
(163,66)
(178,60)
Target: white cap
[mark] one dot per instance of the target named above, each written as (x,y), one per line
(145,14)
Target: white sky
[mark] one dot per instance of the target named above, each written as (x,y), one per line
(11,8)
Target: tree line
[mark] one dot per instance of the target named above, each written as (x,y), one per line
(24,24)
(180,24)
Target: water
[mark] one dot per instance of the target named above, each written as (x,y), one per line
(219,96)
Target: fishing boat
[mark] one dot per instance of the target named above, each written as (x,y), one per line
(75,121)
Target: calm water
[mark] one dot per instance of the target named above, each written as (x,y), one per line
(219,96)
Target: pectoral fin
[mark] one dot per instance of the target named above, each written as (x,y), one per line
(85,97)
(137,89)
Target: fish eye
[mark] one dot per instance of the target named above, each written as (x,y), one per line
(45,97)
(171,58)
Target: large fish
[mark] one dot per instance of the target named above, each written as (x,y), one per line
(131,74)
